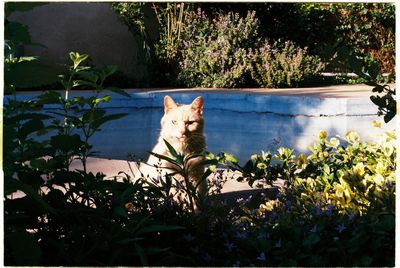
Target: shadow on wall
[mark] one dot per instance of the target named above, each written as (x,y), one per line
(65,27)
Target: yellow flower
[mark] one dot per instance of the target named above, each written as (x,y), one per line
(352,137)
(333,142)
(377,123)
(322,135)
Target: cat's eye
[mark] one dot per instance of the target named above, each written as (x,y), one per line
(174,122)
(190,122)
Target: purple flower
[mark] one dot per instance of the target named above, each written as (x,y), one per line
(314,229)
(240,200)
(207,257)
(318,210)
(241,234)
(278,244)
(340,228)
(229,246)
(329,211)
(288,205)
(262,257)
(261,236)
(247,200)
(188,237)
(195,249)
(351,216)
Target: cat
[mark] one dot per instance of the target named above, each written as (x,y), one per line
(182,127)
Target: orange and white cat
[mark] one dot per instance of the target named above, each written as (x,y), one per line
(182,127)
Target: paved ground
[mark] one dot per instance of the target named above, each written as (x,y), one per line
(111,167)
(231,191)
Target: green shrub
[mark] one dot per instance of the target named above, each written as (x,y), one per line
(337,208)
(215,51)
(286,66)
(369,30)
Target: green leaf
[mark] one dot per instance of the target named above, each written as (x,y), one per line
(373,70)
(38,163)
(97,123)
(17,33)
(159,228)
(66,143)
(120,211)
(89,75)
(141,253)
(30,192)
(77,58)
(389,116)
(77,83)
(166,158)
(311,241)
(109,70)
(230,158)
(326,169)
(93,115)
(171,149)
(11,7)
(366,261)
(27,116)
(30,127)
(24,248)
(128,240)
(30,74)
(103,99)
(119,91)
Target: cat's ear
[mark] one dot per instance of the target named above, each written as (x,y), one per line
(169,104)
(197,105)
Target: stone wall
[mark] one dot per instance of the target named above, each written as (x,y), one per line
(90,28)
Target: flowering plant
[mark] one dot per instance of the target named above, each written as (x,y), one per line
(287,66)
(215,52)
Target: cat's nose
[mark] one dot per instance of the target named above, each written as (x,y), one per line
(183,132)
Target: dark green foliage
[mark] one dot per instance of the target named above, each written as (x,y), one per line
(371,74)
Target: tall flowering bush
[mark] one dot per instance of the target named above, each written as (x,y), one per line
(215,51)
(285,66)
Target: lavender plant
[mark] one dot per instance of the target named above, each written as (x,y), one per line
(215,51)
(287,66)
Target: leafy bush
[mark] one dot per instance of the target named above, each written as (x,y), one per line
(283,67)
(369,30)
(337,209)
(370,73)
(215,51)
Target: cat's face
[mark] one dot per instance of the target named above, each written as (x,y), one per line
(182,122)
